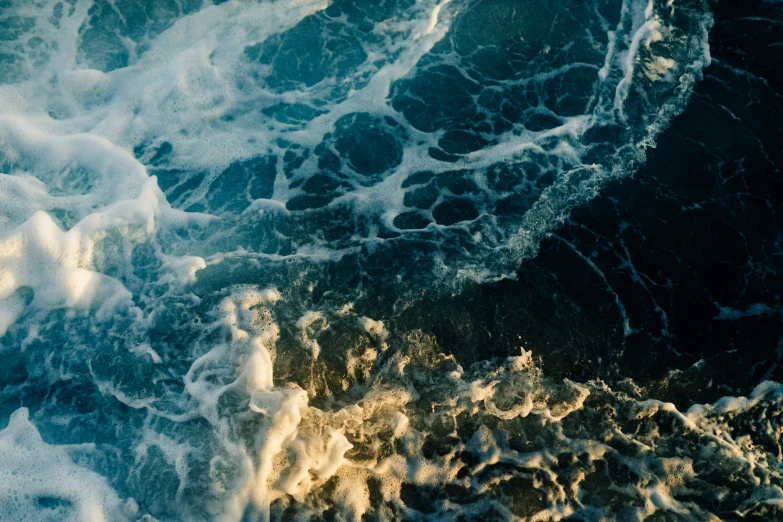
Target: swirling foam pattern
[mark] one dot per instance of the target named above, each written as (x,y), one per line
(193,195)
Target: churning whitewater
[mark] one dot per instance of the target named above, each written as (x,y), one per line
(214,214)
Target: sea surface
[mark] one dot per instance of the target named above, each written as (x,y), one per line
(380,260)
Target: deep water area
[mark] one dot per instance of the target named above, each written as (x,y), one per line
(380,260)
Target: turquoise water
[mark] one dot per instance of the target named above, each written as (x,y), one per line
(221,224)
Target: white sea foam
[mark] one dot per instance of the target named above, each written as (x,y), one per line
(41,482)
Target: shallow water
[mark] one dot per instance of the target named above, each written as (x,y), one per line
(390,260)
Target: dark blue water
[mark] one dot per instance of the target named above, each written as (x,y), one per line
(390,260)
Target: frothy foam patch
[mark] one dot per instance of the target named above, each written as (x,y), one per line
(41,481)
(283,457)
(393,123)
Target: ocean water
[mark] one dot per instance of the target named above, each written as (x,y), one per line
(361,260)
